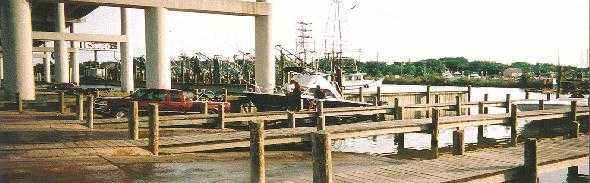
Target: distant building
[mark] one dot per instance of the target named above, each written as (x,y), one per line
(512,73)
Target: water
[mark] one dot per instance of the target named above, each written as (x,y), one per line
(384,145)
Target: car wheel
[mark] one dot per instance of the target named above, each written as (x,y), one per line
(122,113)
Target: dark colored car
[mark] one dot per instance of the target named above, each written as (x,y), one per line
(175,101)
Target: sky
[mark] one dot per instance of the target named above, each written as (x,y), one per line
(534,31)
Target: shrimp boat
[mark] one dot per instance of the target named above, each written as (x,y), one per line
(309,83)
(357,80)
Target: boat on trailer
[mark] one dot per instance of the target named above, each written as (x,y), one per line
(312,86)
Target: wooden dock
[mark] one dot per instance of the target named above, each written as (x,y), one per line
(489,165)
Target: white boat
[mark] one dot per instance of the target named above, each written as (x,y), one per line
(357,80)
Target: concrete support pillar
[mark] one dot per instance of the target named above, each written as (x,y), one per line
(61,51)
(47,67)
(74,64)
(264,65)
(127,83)
(158,73)
(18,49)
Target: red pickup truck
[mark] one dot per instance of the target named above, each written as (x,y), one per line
(175,101)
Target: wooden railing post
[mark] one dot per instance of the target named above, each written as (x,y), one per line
(458,142)
(513,120)
(80,106)
(257,165)
(469,90)
(224,90)
(428,92)
(90,111)
(361,95)
(507,103)
(134,121)
(485,98)
(399,137)
(322,157)
(320,119)
(221,117)
(20,106)
(549,96)
(541,104)
(378,97)
(480,129)
(434,130)
(62,103)
(154,133)
(575,125)
(458,105)
(527,95)
(206,108)
(530,161)
(436,98)
(291,121)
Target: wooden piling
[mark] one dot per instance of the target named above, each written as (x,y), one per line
(541,104)
(361,95)
(90,111)
(434,133)
(291,121)
(257,165)
(469,90)
(572,172)
(62,103)
(480,129)
(221,116)
(428,91)
(527,95)
(224,90)
(485,98)
(458,142)
(19,103)
(507,103)
(322,157)
(530,161)
(80,106)
(458,105)
(513,122)
(399,137)
(573,117)
(154,133)
(134,120)
(320,119)
(379,96)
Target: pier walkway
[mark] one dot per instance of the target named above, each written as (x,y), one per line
(489,165)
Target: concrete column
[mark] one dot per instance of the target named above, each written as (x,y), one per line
(47,66)
(74,64)
(157,64)
(127,84)
(18,49)
(61,51)
(264,65)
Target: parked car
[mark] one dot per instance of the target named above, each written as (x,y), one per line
(68,88)
(170,101)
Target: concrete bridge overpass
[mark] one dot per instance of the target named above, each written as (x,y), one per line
(25,26)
